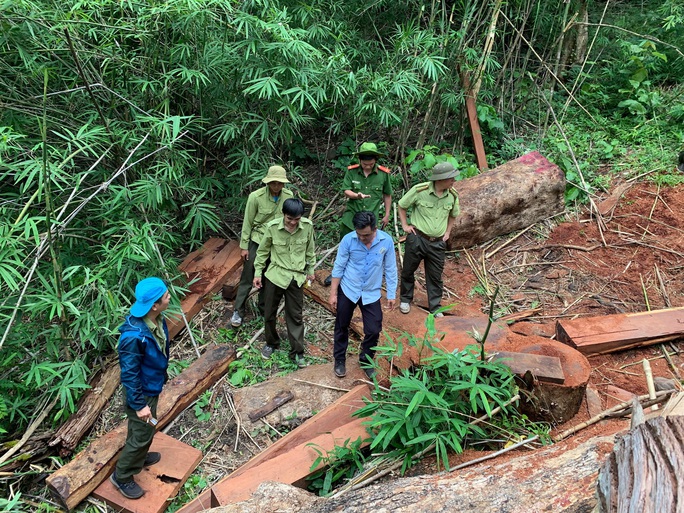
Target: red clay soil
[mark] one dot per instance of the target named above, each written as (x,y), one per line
(632,263)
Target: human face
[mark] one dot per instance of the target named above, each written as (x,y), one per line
(367,162)
(291,223)
(366,235)
(163,302)
(274,188)
(443,185)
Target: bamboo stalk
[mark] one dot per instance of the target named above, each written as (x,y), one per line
(649,381)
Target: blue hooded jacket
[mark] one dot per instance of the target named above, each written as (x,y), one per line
(143,364)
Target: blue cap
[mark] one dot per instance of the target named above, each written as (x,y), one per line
(147,292)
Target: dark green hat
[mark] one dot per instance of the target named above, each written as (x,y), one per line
(442,171)
(369,148)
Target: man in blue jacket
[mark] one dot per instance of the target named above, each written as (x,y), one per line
(363,258)
(143,358)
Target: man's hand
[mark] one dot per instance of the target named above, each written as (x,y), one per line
(445,238)
(391,303)
(244,254)
(257,282)
(145,414)
(385,221)
(332,300)
(360,195)
(408,228)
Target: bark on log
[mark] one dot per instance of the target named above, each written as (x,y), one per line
(510,197)
(89,407)
(645,472)
(76,480)
(559,478)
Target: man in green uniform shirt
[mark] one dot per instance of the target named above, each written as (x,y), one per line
(434,208)
(263,205)
(367,187)
(289,244)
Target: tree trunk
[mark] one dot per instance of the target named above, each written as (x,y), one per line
(559,478)
(76,480)
(510,197)
(70,433)
(642,475)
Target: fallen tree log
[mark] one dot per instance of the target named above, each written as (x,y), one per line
(89,407)
(559,478)
(510,197)
(77,479)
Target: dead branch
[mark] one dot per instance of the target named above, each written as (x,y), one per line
(660,397)
(495,454)
(30,430)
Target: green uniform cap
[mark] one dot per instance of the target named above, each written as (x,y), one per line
(276,174)
(369,148)
(442,171)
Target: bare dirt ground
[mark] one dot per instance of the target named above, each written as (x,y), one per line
(627,260)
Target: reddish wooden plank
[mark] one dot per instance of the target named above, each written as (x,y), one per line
(286,468)
(544,368)
(161,481)
(608,333)
(332,423)
(471,109)
(210,266)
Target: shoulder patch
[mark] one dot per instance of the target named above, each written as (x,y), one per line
(422,187)
(353,166)
(453,192)
(384,169)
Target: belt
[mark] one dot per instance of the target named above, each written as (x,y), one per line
(426,237)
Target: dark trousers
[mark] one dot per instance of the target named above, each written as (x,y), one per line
(138,440)
(372,326)
(246,279)
(294,305)
(432,254)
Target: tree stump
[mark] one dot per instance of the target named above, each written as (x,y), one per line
(510,197)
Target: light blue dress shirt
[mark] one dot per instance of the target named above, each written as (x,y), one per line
(361,268)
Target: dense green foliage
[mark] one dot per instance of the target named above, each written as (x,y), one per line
(128,131)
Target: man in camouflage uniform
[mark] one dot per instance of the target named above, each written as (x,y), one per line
(434,208)
(367,187)
(263,205)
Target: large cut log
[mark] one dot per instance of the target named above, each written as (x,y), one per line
(289,459)
(645,471)
(557,479)
(77,479)
(103,386)
(618,332)
(207,269)
(510,197)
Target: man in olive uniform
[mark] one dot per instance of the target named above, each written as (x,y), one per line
(434,208)
(366,186)
(289,244)
(263,205)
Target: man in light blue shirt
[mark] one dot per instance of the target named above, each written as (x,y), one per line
(363,258)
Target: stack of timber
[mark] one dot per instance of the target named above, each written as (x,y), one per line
(610,333)
(77,479)
(289,460)
(207,269)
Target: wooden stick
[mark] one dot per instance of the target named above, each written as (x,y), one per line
(321,385)
(627,404)
(325,255)
(649,381)
(44,409)
(495,454)
(674,368)
(495,251)
(663,291)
